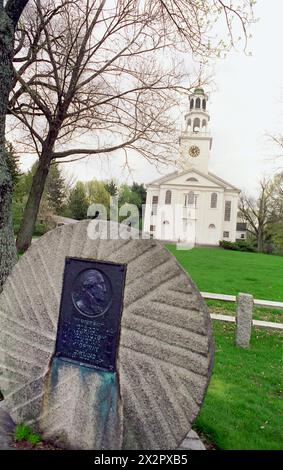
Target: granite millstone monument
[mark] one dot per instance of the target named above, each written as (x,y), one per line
(104,343)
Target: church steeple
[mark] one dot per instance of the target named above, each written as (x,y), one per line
(197,117)
(195,140)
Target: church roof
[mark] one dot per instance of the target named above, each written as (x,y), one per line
(210,176)
(199,91)
(228,185)
(163,178)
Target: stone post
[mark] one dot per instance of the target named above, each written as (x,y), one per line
(244,315)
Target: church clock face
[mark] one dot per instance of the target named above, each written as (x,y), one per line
(194,151)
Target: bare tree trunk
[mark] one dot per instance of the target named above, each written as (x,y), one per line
(8,255)
(260,240)
(38,183)
(32,207)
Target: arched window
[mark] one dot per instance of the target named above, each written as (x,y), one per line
(191,104)
(189,122)
(203,104)
(190,199)
(227,212)
(154,205)
(198,103)
(192,179)
(203,123)
(168,197)
(211,226)
(213,201)
(196,124)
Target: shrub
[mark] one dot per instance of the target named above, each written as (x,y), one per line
(21,432)
(237,246)
(40,229)
(228,245)
(246,246)
(24,433)
(34,438)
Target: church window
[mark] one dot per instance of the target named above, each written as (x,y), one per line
(225,234)
(168,197)
(203,123)
(241,226)
(198,103)
(192,179)
(211,226)
(227,213)
(189,199)
(203,104)
(196,124)
(152,228)
(213,201)
(154,205)
(189,123)
(191,104)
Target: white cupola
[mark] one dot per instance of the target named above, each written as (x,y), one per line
(195,140)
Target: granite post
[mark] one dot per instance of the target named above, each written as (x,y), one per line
(244,315)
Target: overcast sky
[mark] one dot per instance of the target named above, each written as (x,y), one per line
(246,104)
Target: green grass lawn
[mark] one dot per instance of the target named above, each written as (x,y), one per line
(231,272)
(243,408)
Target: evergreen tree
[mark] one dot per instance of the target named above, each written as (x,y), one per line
(111,188)
(13,163)
(55,189)
(78,202)
(139,189)
(127,196)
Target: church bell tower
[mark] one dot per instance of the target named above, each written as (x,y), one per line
(195,140)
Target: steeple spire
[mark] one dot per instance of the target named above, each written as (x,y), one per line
(195,140)
(197,117)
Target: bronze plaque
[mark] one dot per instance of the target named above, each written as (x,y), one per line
(90,312)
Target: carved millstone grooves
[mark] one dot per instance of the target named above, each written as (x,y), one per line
(164,355)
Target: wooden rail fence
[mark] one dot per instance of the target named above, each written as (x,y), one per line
(244,312)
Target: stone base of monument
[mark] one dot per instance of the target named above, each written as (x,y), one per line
(7,426)
(105,343)
(98,421)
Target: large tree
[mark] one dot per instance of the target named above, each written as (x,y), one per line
(274,227)
(256,211)
(10,13)
(106,69)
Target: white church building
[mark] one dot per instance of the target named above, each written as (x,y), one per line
(192,204)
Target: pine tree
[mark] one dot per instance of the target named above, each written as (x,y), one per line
(111,188)
(140,190)
(78,202)
(13,163)
(55,189)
